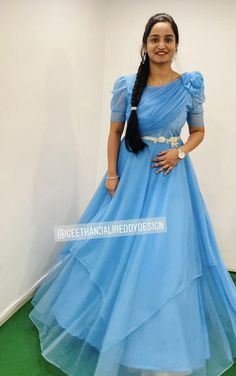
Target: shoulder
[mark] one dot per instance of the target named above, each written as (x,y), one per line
(124,82)
(119,83)
(130,80)
(193,82)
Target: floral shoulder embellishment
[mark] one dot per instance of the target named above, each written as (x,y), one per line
(194,82)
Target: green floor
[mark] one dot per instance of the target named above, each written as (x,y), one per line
(20,351)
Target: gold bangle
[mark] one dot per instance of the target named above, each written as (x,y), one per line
(112,177)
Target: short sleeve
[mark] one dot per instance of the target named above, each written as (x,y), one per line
(195,111)
(118,104)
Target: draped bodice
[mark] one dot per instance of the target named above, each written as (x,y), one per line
(162,110)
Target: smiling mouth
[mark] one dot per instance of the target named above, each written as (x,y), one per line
(161,53)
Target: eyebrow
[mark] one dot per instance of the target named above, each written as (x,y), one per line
(167,35)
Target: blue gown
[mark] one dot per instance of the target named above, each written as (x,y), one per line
(156,304)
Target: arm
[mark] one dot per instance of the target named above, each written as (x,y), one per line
(168,159)
(116,130)
(196,135)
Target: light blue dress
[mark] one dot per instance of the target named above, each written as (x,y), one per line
(154,304)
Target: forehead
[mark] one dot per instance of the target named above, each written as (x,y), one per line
(161,29)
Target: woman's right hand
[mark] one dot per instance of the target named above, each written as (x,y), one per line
(111,185)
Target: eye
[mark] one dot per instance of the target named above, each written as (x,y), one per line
(168,40)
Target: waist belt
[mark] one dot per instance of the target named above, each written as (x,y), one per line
(174,141)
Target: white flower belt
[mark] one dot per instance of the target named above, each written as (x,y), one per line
(174,140)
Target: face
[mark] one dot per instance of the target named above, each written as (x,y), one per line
(161,39)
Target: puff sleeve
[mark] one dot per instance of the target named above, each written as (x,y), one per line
(118,102)
(195,112)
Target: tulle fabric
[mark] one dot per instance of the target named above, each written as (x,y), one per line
(160,304)
(172,104)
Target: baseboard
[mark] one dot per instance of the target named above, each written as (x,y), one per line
(14,307)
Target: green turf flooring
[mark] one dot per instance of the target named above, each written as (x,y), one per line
(20,350)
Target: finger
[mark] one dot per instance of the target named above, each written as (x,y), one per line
(114,192)
(161,161)
(155,159)
(168,170)
(160,156)
(161,169)
(163,152)
(157,156)
(157,164)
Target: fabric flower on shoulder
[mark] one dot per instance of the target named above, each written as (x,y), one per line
(194,83)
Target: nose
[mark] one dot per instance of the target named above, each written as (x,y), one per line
(161,43)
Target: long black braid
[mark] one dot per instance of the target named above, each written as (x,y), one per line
(133,140)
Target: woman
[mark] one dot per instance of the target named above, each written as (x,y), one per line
(149,304)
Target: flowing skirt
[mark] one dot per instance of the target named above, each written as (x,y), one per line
(157,304)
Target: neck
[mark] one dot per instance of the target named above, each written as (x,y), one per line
(160,71)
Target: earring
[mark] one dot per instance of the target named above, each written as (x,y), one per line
(144,58)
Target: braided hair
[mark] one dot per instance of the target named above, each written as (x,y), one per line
(133,140)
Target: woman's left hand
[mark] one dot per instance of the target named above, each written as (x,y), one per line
(167,159)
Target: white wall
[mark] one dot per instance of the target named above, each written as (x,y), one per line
(59,60)
(51,79)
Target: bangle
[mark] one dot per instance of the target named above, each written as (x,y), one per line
(112,177)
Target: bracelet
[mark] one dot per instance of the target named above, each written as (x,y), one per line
(112,177)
